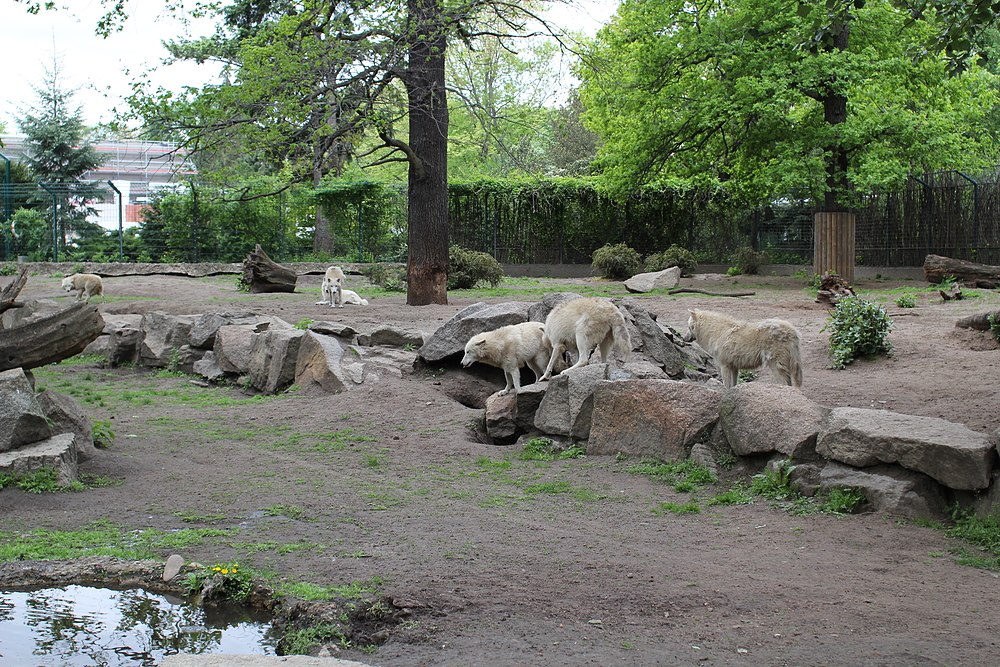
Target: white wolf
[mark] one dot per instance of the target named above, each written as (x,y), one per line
(353,297)
(510,348)
(332,288)
(581,325)
(738,345)
(88,283)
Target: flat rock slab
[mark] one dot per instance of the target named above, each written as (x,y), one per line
(954,455)
(58,452)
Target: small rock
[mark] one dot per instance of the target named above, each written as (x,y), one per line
(173,567)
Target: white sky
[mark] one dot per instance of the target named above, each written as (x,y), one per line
(97,66)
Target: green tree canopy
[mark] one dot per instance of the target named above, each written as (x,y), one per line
(766,96)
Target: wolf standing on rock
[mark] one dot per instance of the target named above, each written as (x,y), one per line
(581,325)
(737,345)
(510,348)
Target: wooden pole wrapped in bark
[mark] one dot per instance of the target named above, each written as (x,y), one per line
(937,267)
(261,274)
(833,244)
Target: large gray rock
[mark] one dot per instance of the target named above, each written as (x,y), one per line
(22,417)
(451,337)
(952,454)
(57,452)
(889,488)
(758,418)
(658,418)
(647,282)
(163,334)
(651,340)
(318,365)
(66,415)
(509,416)
(569,401)
(185,357)
(273,355)
(203,331)
(232,347)
(123,346)
(388,335)
(208,367)
(539,311)
(334,329)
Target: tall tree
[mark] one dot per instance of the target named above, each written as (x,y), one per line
(765,96)
(60,151)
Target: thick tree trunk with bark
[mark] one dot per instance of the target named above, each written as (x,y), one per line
(50,339)
(261,274)
(8,297)
(937,267)
(427,214)
(980,322)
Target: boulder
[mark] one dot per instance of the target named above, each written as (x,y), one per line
(388,335)
(647,282)
(451,337)
(648,337)
(66,415)
(163,334)
(759,418)
(208,367)
(123,346)
(569,400)
(273,357)
(185,357)
(232,347)
(334,329)
(950,453)
(318,365)
(203,331)
(889,488)
(511,415)
(22,417)
(662,419)
(57,452)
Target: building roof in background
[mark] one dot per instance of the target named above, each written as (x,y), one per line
(124,160)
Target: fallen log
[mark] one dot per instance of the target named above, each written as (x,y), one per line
(262,274)
(980,322)
(693,290)
(936,268)
(833,288)
(50,339)
(953,293)
(10,292)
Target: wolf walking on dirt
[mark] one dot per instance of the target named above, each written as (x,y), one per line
(510,348)
(88,283)
(581,325)
(740,345)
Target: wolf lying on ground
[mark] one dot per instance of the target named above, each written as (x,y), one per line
(88,283)
(510,348)
(581,325)
(332,288)
(738,345)
(350,296)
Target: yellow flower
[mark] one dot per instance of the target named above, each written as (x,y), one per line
(224,571)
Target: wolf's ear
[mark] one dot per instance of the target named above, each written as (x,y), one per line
(480,343)
(694,313)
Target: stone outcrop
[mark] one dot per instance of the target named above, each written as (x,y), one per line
(273,356)
(451,337)
(569,401)
(22,417)
(753,425)
(57,453)
(647,282)
(318,365)
(162,335)
(66,415)
(889,488)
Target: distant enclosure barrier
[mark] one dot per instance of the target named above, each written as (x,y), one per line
(540,222)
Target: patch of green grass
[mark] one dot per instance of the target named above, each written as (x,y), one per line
(738,495)
(686,473)
(981,531)
(774,483)
(288,511)
(677,508)
(192,517)
(543,449)
(304,640)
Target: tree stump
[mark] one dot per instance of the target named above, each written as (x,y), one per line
(50,339)
(833,288)
(937,267)
(261,274)
(10,292)
(980,322)
(953,293)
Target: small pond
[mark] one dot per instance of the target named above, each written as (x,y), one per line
(77,626)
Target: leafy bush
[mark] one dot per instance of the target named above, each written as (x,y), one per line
(748,261)
(8,269)
(391,278)
(858,328)
(672,256)
(617,262)
(906,301)
(470,267)
(104,437)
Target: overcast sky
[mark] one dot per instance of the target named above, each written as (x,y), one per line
(97,66)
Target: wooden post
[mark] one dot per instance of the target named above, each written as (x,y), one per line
(833,244)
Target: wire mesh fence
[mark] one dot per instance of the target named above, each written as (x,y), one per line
(948,213)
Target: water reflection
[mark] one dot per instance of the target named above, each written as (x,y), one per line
(79,626)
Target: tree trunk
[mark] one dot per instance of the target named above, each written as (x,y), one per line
(50,339)
(937,267)
(980,322)
(323,240)
(427,213)
(10,292)
(261,274)
(833,244)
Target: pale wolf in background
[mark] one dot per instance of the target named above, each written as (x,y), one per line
(351,296)
(510,348)
(332,288)
(581,325)
(88,283)
(737,345)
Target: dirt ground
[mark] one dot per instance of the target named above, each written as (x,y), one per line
(387,481)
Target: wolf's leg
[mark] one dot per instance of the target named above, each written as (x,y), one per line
(556,351)
(729,375)
(606,344)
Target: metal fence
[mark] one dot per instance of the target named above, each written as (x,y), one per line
(948,213)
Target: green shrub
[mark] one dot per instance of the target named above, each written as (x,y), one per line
(617,262)
(994,326)
(858,328)
(391,278)
(8,269)
(470,267)
(906,301)
(673,256)
(748,261)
